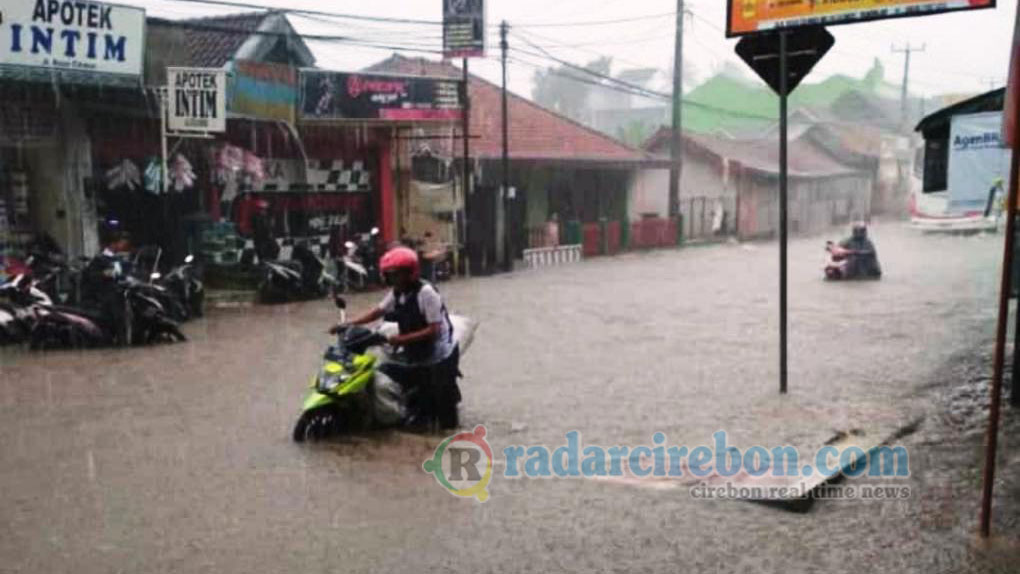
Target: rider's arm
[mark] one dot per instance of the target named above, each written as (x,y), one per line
(427,334)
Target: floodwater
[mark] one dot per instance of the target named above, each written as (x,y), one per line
(178,458)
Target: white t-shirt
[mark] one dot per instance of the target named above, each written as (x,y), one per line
(431,305)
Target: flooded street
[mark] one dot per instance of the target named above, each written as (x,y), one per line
(179,459)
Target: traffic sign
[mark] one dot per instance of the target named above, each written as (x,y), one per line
(804,48)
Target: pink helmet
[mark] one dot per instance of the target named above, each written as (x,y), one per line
(400,258)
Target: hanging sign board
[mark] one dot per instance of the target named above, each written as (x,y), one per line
(72,35)
(463,28)
(339,96)
(751,16)
(264,90)
(197,99)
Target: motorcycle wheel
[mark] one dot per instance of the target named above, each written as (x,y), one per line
(316,425)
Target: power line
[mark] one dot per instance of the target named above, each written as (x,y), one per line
(581,69)
(594,22)
(253,6)
(200,26)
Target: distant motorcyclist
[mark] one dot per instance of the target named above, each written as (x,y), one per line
(861,255)
(430,351)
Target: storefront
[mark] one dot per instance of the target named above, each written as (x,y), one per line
(51,70)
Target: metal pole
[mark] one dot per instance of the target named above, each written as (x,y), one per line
(992,435)
(508,261)
(783,93)
(461,229)
(676,147)
(164,180)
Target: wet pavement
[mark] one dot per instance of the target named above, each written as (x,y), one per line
(178,458)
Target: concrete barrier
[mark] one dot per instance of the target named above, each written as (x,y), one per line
(552,256)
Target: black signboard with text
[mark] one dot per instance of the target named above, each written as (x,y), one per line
(463,28)
(356,96)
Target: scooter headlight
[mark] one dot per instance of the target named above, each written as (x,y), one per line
(331,377)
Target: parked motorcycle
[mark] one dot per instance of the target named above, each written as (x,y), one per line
(113,309)
(838,267)
(356,270)
(360,388)
(304,276)
(185,288)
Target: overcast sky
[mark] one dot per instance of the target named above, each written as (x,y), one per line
(964,52)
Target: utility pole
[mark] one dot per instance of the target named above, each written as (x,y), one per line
(508,261)
(676,147)
(460,227)
(906,76)
(784,92)
(992,82)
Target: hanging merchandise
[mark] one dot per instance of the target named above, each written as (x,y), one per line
(229,162)
(124,174)
(182,176)
(153,176)
(254,169)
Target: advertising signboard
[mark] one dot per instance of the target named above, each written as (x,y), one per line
(356,96)
(750,16)
(198,99)
(463,28)
(978,161)
(73,35)
(264,90)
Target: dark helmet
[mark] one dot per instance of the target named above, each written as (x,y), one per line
(860,230)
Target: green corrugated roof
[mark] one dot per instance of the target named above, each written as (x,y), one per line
(728,104)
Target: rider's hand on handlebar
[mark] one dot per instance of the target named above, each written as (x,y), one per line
(338,328)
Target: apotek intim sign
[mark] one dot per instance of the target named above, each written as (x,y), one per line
(72,35)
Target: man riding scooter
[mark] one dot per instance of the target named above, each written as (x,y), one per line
(854,257)
(430,357)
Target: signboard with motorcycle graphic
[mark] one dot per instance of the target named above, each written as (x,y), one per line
(73,36)
(356,96)
(751,16)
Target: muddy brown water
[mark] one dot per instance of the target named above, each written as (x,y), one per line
(178,458)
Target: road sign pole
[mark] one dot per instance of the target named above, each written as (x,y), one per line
(783,96)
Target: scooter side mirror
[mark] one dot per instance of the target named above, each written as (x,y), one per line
(340,302)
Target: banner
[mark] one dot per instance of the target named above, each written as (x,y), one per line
(264,90)
(198,99)
(338,95)
(977,161)
(750,16)
(463,29)
(74,35)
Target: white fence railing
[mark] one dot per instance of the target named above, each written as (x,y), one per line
(552,256)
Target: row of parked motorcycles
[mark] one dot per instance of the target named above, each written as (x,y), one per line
(107,300)
(308,275)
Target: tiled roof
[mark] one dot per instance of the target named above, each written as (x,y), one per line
(806,158)
(535,132)
(212,42)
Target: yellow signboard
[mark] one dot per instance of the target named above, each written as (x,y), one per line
(750,16)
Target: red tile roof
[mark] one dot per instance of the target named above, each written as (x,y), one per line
(535,132)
